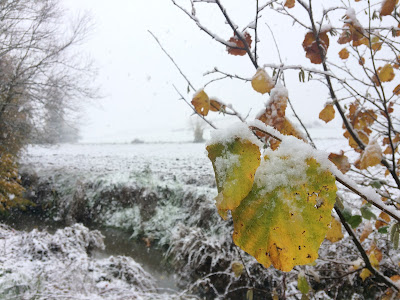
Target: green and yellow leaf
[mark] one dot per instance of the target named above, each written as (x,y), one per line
(284,225)
(235,164)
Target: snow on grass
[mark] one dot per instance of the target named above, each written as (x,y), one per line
(39,265)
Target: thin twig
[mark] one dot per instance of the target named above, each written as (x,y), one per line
(187,102)
(173,61)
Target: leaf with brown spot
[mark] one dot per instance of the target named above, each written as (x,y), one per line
(327,114)
(344,53)
(311,48)
(341,161)
(371,156)
(386,73)
(238,43)
(285,226)
(388,7)
(201,103)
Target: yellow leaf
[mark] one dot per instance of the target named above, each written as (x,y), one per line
(371,156)
(262,82)
(388,7)
(235,164)
(290,3)
(237,268)
(334,233)
(386,73)
(344,54)
(327,114)
(365,273)
(201,103)
(286,216)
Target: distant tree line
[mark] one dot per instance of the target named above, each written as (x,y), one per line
(42,79)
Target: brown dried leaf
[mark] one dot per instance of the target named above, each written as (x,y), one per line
(341,161)
(344,53)
(311,48)
(215,105)
(362,41)
(274,115)
(396,90)
(361,61)
(352,143)
(235,40)
(327,114)
(352,32)
(201,103)
(290,3)
(388,150)
(388,7)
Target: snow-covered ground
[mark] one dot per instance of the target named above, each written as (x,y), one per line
(184,221)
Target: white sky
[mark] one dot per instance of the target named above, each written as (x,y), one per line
(136,77)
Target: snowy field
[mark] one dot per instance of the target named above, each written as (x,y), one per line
(168,160)
(185,223)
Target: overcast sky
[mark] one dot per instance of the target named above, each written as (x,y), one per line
(137,78)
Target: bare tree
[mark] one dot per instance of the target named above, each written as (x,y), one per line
(42,55)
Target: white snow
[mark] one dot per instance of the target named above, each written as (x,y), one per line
(238,130)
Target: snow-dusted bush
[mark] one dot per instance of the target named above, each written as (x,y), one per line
(39,265)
